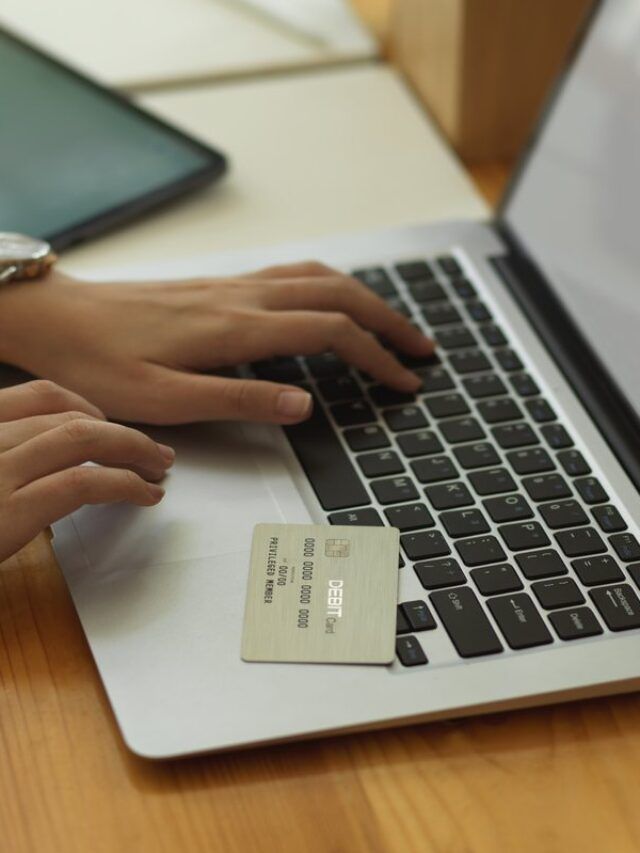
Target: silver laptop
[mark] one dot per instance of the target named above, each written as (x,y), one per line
(513,475)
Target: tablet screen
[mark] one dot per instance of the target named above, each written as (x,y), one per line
(75,158)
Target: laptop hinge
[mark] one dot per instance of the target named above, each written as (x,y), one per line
(579,362)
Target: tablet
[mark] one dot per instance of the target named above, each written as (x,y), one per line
(77,159)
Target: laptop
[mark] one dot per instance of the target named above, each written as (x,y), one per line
(513,475)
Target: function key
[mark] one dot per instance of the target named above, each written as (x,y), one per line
(455,337)
(521,537)
(508,508)
(492,482)
(591,490)
(493,335)
(449,265)
(366,438)
(508,360)
(279,370)
(462,429)
(478,311)
(519,621)
(418,615)
(626,546)
(575,624)
(540,410)
(340,388)
(394,491)
(434,470)
(449,495)
(479,455)
(493,580)
(409,517)
(326,365)
(435,574)
(531,461)
(409,651)
(466,622)
(376,279)
(382,395)
(573,462)
(426,291)
(556,436)
(596,570)
(414,270)
(556,593)
(421,443)
(447,405)
(524,385)
(514,435)
(439,313)
(548,487)
(618,605)
(541,564)
(353,413)
(408,417)
(563,514)
(381,463)
(424,544)
(579,543)
(464,522)
(435,379)
(501,409)
(366,517)
(488,385)
(463,288)
(469,361)
(609,519)
(480,550)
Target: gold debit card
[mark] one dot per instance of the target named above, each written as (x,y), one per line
(320,594)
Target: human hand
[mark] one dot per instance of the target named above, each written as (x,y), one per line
(140,350)
(46,434)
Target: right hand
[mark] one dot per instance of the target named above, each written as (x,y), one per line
(46,434)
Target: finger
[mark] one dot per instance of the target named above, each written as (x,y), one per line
(49,499)
(42,397)
(351,297)
(299,269)
(190,397)
(17,432)
(82,441)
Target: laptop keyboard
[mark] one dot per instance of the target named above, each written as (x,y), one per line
(512,538)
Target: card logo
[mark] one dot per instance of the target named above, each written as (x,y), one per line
(337,547)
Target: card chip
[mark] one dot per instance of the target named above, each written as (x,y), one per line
(336,548)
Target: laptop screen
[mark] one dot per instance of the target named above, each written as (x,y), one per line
(576,207)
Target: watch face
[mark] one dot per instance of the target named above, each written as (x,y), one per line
(20,248)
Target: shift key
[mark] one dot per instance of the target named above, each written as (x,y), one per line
(466,622)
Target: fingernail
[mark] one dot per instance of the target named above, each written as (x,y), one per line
(156,492)
(293,404)
(413,381)
(167,453)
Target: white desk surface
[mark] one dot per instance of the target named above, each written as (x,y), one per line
(311,154)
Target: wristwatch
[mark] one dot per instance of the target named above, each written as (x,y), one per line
(23,257)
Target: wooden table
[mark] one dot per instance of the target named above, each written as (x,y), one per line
(557,779)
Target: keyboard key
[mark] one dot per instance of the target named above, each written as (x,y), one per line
(394,491)
(434,470)
(462,429)
(414,270)
(398,305)
(626,546)
(559,592)
(493,335)
(382,463)
(384,396)
(591,490)
(376,279)
(556,436)
(340,388)
(575,624)
(463,288)
(520,537)
(514,435)
(455,337)
(502,409)
(524,385)
(563,514)
(409,651)
(418,615)
(402,625)
(466,622)
(449,266)
(325,462)
(540,410)
(493,580)
(609,519)
(426,291)
(279,370)
(481,550)
(530,461)
(519,621)
(618,605)
(573,462)
(596,570)
(476,455)
(435,574)
(478,311)
(352,413)
(541,564)
(634,571)
(492,482)
(508,508)
(508,360)
(464,522)
(326,365)
(420,443)
(424,544)
(546,488)
(449,495)
(366,438)
(487,385)
(446,405)
(415,362)
(409,517)
(435,379)
(440,313)
(469,361)
(408,417)
(578,543)
(366,517)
